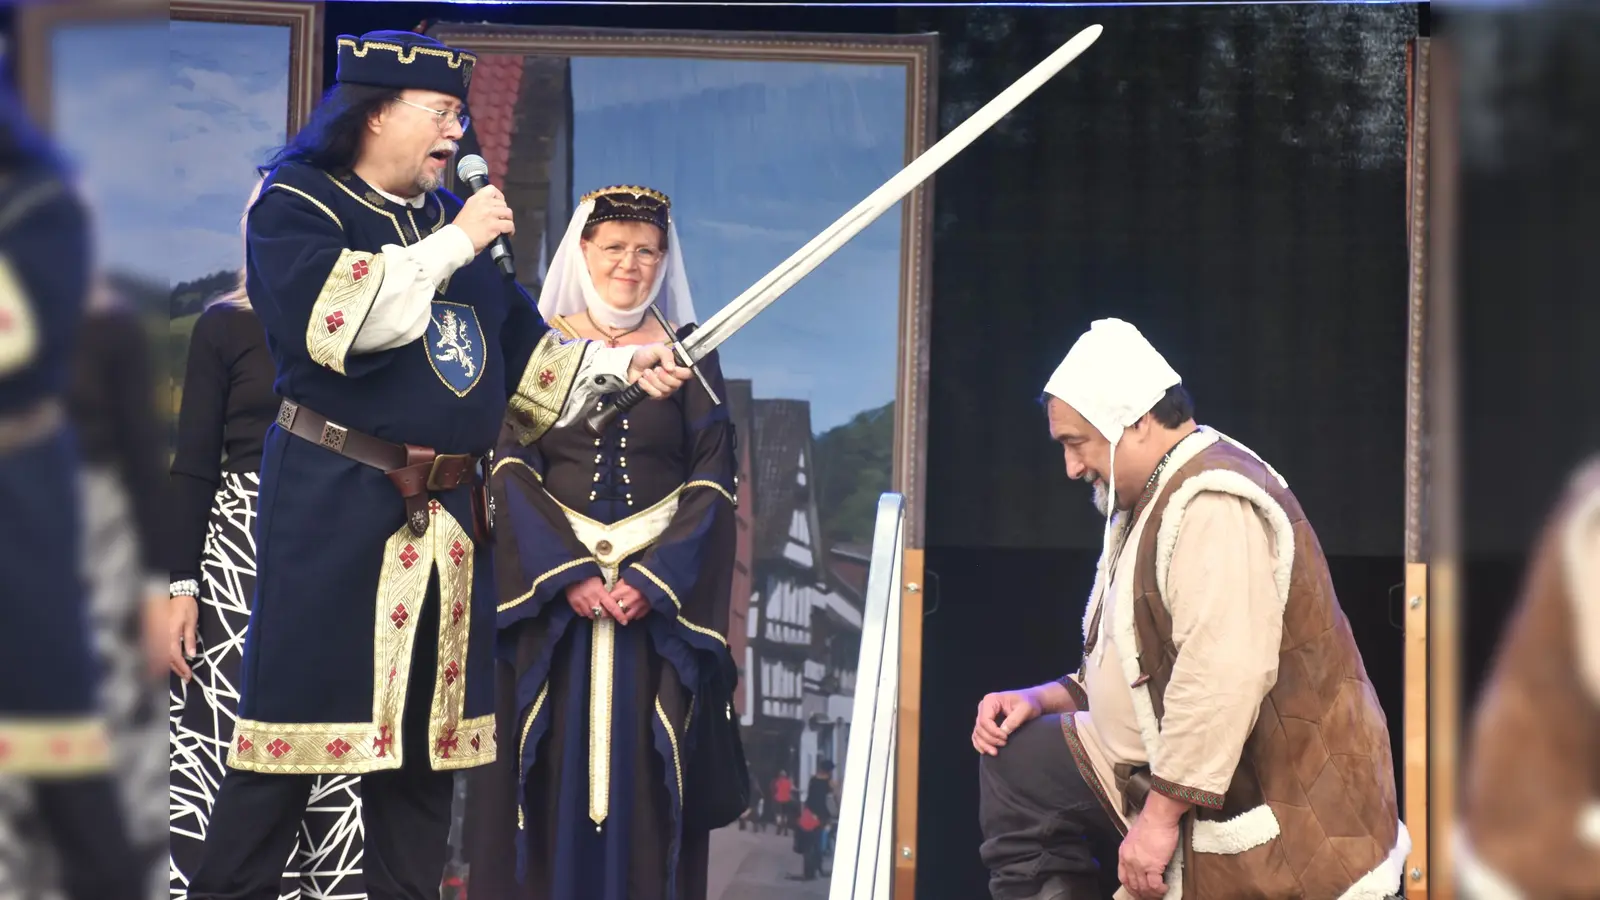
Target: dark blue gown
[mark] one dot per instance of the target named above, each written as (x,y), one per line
(591,806)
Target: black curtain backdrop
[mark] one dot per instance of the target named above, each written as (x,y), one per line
(1231,180)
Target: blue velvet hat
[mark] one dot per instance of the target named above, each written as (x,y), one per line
(405,59)
(629,202)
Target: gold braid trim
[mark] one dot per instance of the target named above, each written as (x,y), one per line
(58,748)
(522,748)
(702,482)
(545,386)
(342,306)
(671,595)
(320,748)
(677,763)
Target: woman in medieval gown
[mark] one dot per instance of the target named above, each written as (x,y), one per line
(614,559)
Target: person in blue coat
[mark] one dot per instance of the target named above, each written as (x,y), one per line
(53,733)
(399,350)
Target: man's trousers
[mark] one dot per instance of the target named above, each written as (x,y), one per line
(1045,834)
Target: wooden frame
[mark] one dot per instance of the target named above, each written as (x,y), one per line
(1418,520)
(304,20)
(36,22)
(918,55)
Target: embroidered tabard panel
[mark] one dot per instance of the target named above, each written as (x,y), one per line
(58,748)
(342,306)
(545,385)
(19,333)
(355,747)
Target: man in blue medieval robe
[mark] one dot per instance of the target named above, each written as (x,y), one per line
(400,349)
(53,736)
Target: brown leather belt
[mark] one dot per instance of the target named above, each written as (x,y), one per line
(414,470)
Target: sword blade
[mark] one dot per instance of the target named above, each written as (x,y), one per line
(774,284)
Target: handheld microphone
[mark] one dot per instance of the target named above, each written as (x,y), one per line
(474,171)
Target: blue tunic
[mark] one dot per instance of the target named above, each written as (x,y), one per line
(49,719)
(342,582)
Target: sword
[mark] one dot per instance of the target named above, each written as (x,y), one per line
(774,284)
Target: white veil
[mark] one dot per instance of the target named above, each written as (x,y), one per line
(568,290)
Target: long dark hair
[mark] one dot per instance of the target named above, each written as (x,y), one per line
(331,140)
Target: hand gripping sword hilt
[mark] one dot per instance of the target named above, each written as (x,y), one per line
(598,421)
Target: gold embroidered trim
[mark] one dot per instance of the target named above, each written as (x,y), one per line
(455,59)
(541,580)
(632,190)
(356,747)
(393,220)
(701,482)
(19,330)
(544,387)
(602,678)
(522,748)
(311,200)
(45,748)
(677,764)
(512,460)
(342,306)
(671,595)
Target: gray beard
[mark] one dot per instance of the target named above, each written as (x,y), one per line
(427,184)
(1101,498)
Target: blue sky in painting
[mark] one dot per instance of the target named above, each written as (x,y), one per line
(760,157)
(229,88)
(108,108)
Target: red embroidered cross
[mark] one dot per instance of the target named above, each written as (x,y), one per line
(392,673)
(60,747)
(335,321)
(547,378)
(455,613)
(338,747)
(5,749)
(244,744)
(278,748)
(6,320)
(383,742)
(476,742)
(457,552)
(451,672)
(433,505)
(358,270)
(409,556)
(447,743)
(400,615)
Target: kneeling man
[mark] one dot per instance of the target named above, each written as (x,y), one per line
(1221,724)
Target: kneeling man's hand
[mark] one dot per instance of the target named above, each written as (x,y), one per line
(1148,848)
(999,715)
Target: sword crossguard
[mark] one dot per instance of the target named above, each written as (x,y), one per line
(683,354)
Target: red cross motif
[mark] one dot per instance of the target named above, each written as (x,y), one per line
(6,320)
(434,505)
(409,556)
(476,742)
(5,749)
(547,378)
(334,321)
(455,613)
(457,552)
(400,615)
(451,672)
(447,743)
(278,748)
(384,742)
(338,747)
(244,744)
(358,270)
(392,673)
(60,748)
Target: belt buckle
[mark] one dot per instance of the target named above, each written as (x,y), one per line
(433,471)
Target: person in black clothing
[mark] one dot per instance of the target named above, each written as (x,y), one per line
(228,403)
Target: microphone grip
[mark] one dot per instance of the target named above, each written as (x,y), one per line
(598,421)
(499,248)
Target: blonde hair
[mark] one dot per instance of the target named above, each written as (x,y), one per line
(237,295)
